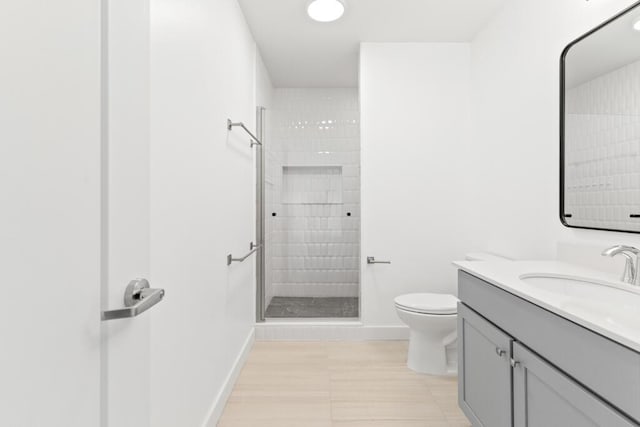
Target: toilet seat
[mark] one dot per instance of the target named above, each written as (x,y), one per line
(427,303)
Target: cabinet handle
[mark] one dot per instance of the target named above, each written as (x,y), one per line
(500,351)
(514,363)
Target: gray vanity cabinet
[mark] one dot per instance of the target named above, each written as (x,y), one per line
(484,388)
(523,366)
(545,397)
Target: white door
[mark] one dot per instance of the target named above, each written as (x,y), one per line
(73,212)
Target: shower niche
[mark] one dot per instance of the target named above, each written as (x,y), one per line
(312,205)
(312,185)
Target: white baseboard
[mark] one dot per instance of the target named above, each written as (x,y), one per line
(223,395)
(328,331)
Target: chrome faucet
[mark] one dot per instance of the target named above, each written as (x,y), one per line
(630,274)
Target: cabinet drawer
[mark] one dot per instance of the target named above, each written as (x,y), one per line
(603,366)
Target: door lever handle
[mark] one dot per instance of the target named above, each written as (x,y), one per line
(372,260)
(138,298)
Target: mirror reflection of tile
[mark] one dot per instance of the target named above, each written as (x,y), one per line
(602,129)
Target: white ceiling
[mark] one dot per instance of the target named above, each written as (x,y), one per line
(299,52)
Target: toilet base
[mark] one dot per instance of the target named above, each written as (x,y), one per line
(428,354)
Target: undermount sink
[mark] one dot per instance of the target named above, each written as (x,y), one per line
(613,303)
(569,286)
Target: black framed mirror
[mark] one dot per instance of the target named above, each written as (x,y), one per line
(600,126)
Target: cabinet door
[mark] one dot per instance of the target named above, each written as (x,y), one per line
(484,380)
(545,397)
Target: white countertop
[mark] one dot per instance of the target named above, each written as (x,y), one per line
(614,313)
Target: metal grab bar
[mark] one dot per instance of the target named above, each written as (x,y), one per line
(372,260)
(231,124)
(252,247)
(138,298)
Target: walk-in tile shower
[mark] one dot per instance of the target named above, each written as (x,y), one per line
(310,193)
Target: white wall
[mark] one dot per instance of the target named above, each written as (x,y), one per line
(496,189)
(515,96)
(202,204)
(264,86)
(415,121)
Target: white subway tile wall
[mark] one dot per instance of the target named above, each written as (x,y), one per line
(602,173)
(312,194)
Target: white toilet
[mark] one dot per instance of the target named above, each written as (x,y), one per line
(432,320)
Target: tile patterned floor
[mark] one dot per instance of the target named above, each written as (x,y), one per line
(312,307)
(339,384)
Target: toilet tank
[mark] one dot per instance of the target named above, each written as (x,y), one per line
(484,256)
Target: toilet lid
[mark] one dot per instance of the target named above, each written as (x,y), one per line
(428,303)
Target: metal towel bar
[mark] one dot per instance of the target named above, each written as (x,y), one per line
(372,260)
(252,248)
(231,124)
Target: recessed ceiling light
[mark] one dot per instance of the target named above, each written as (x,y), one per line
(325,10)
(636,24)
